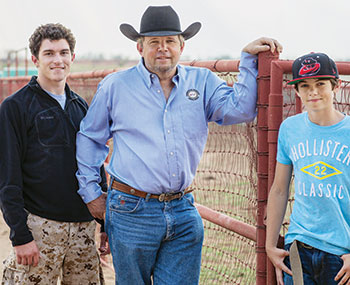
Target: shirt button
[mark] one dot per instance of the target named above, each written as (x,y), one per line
(168,131)
(158,91)
(174,174)
(171,153)
(165,110)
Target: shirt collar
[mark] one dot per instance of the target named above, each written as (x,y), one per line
(145,74)
(179,74)
(149,77)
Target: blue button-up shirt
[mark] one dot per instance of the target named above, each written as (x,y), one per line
(157,144)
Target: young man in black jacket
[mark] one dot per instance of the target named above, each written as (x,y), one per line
(51,229)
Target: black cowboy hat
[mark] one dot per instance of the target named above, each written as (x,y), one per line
(159,21)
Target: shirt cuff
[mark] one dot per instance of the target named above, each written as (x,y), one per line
(249,60)
(91,193)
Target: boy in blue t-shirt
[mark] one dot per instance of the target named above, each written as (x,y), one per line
(316,146)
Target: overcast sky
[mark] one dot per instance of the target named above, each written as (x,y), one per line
(301,26)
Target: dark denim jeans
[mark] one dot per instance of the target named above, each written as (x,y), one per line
(149,237)
(319,267)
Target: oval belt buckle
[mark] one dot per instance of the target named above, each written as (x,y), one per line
(161,197)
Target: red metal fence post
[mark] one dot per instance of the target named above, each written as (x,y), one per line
(264,68)
(275,112)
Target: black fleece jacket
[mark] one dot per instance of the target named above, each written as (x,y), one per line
(37,159)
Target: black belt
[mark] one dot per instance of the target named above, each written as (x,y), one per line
(304,245)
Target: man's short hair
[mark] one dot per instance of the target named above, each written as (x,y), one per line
(333,81)
(52,32)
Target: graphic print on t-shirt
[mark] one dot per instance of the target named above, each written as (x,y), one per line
(331,151)
(320,170)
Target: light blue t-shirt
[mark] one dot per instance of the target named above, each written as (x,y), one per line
(61,99)
(321,162)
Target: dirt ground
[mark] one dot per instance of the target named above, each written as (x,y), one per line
(5,248)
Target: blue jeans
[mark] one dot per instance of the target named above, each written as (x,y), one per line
(319,267)
(152,238)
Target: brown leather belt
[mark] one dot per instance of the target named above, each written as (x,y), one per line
(162,197)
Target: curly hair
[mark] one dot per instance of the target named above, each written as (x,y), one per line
(51,32)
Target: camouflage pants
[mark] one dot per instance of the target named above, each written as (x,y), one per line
(67,251)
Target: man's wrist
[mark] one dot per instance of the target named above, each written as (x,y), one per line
(90,194)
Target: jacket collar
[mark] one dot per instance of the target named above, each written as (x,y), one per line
(33,83)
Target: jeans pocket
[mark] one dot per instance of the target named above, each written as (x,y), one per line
(189,197)
(287,246)
(332,262)
(286,259)
(123,203)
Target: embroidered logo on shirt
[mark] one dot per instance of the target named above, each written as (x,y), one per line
(46,117)
(320,170)
(192,94)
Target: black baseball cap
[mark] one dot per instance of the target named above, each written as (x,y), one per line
(313,65)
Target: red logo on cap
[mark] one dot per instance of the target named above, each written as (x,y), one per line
(309,66)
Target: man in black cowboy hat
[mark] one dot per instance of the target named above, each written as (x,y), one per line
(157,113)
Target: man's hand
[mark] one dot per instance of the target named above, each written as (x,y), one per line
(104,244)
(27,254)
(277,255)
(344,273)
(97,207)
(263,44)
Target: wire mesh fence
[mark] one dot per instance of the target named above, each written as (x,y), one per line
(226,180)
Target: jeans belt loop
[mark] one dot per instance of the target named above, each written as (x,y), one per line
(110,183)
(182,194)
